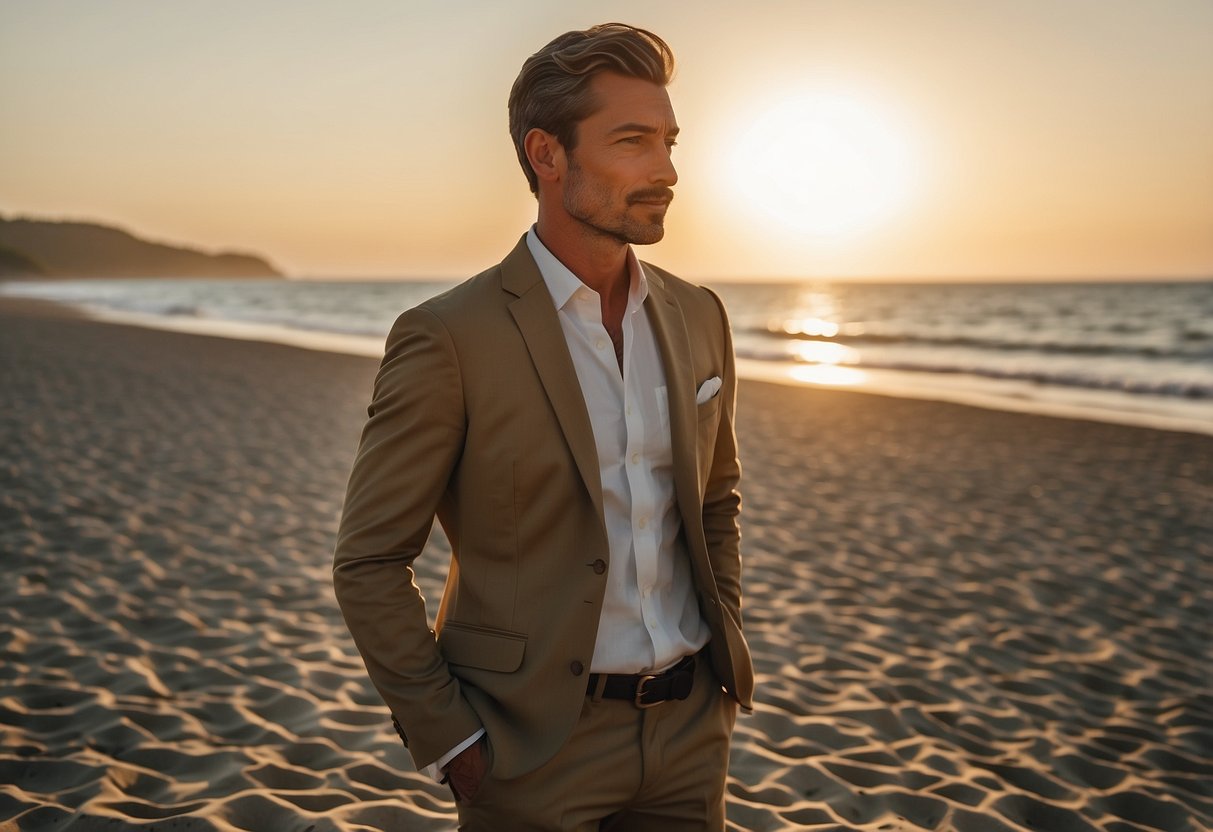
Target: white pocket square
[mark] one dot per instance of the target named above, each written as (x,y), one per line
(708,389)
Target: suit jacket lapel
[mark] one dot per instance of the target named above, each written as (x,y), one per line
(535,315)
(673,340)
(669,327)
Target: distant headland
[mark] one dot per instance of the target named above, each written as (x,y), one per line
(36,248)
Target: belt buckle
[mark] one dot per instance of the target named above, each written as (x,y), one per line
(640,692)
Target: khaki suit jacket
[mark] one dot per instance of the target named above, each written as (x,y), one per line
(477,418)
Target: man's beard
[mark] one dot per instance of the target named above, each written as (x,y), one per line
(591,206)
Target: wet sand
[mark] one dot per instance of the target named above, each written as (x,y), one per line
(962,619)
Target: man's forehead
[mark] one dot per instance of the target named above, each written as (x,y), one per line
(625,103)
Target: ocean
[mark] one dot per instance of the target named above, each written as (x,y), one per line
(1135,353)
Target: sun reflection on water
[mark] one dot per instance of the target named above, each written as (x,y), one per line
(814,318)
(829,375)
(824,362)
(823,352)
(816,327)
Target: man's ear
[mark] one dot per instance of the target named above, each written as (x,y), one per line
(546,155)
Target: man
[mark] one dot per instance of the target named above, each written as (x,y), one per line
(568,416)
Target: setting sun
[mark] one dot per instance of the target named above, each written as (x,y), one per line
(823,163)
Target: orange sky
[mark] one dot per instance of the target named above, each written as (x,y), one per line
(828,139)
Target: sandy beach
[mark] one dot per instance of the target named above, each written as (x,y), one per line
(963,620)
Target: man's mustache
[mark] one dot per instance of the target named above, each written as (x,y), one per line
(651,195)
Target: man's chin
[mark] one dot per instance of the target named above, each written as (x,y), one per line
(648,236)
(645,234)
(633,233)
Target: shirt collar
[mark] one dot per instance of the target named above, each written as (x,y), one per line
(563,284)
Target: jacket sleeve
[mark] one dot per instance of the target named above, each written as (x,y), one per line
(409,448)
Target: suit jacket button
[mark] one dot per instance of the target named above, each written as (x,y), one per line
(599,566)
(577,667)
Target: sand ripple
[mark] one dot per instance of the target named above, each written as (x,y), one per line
(962,625)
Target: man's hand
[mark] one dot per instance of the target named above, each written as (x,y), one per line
(467,770)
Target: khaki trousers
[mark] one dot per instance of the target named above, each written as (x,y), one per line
(623,768)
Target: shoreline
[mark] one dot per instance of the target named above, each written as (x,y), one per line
(1024,398)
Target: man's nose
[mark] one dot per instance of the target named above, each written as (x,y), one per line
(664,173)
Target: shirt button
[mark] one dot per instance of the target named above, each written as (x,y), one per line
(635,458)
(644,522)
(577,668)
(601,344)
(599,566)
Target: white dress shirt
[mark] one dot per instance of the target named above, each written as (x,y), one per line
(650,615)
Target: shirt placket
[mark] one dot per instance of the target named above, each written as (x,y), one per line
(640,485)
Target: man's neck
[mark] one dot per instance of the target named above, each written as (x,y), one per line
(599,261)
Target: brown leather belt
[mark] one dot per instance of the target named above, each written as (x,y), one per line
(645,689)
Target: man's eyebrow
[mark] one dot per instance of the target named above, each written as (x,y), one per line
(636,127)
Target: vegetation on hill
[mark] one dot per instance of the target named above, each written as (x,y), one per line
(15,264)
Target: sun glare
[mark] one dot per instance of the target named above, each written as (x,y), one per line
(823,352)
(823,164)
(829,375)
